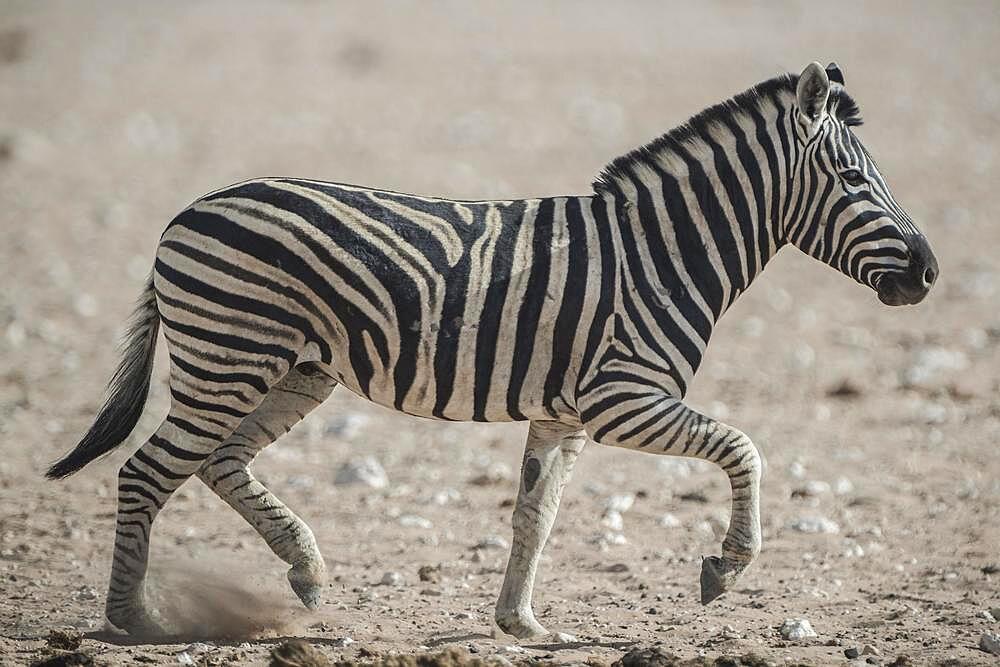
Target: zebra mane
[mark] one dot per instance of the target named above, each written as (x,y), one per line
(840,104)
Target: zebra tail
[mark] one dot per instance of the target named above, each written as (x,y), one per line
(127,391)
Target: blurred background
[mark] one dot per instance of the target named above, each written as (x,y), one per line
(879,426)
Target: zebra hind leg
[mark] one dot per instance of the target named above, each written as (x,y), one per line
(227,473)
(193,429)
(549,455)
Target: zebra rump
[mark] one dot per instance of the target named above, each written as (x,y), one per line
(127,391)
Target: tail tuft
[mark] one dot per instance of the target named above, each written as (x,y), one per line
(127,391)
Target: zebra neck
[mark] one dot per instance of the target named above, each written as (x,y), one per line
(697,223)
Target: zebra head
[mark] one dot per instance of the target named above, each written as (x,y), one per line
(845,214)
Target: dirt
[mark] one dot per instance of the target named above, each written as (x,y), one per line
(879,426)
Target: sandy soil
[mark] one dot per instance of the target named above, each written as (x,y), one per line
(885,422)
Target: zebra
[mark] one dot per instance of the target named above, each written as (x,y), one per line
(586,316)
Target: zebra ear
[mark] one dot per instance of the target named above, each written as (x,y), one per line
(833,71)
(812,93)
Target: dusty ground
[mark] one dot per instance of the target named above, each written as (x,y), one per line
(113,116)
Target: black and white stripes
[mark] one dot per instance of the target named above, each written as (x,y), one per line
(587,316)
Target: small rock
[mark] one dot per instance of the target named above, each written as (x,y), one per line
(563,638)
(995,612)
(852,653)
(608,538)
(990,642)
(391,579)
(794,629)
(617,567)
(870,650)
(675,467)
(843,486)
(613,520)
(446,497)
(492,542)
(797,470)
(345,426)
(620,502)
(669,521)
(814,524)
(429,573)
(64,640)
(74,659)
(414,521)
(297,653)
(366,470)
(498,473)
(655,656)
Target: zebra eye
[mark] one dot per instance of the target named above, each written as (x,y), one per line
(853,177)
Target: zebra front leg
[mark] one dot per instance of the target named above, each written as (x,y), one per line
(549,455)
(227,473)
(660,424)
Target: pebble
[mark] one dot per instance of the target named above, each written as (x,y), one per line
(613,520)
(852,653)
(191,654)
(392,579)
(366,470)
(620,502)
(995,612)
(668,520)
(446,496)
(843,486)
(414,521)
(814,524)
(990,642)
(493,542)
(608,538)
(794,629)
(932,362)
(870,650)
(345,426)
(429,573)
(498,473)
(675,467)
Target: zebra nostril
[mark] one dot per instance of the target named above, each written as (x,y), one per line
(928,276)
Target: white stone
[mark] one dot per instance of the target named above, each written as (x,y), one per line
(345,426)
(814,524)
(414,521)
(446,496)
(366,470)
(794,629)
(613,520)
(675,467)
(620,502)
(392,579)
(493,542)
(815,487)
(843,486)
(669,521)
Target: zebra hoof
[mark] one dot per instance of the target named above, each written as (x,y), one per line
(307,580)
(137,622)
(520,624)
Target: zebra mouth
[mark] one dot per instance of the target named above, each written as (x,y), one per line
(897,291)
